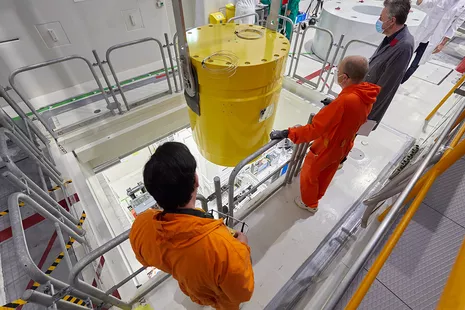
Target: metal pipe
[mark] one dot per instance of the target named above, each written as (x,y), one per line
(300,160)
(5,118)
(4,154)
(55,210)
(325,61)
(257,17)
(74,281)
(338,47)
(291,164)
(113,72)
(298,152)
(385,225)
(27,121)
(344,53)
(22,253)
(61,241)
(176,55)
(46,300)
(32,151)
(13,74)
(238,168)
(107,81)
(19,135)
(170,57)
(240,199)
(124,281)
(294,50)
(35,189)
(287,20)
(218,194)
(203,201)
(15,197)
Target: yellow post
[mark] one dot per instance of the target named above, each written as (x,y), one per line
(462,79)
(453,296)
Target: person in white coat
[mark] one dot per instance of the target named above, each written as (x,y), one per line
(244,7)
(443,19)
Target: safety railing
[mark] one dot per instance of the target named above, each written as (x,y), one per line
(326,65)
(45,64)
(257,17)
(20,244)
(416,188)
(343,54)
(165,66)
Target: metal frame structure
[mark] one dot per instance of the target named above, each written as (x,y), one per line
(257,17)
(115,77)
(418,186)
(343,55)
(44,64)
(325,61)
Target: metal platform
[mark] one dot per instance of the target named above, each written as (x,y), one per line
(416,272)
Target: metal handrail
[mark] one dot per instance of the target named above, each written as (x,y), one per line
(126,44)
(47,300)
(238,168)
(21,248)
(203,201)
(257,17)
(27,121)
(11,79)
(170,58)
(344,51)
(287,20)
(325,61)
(3,150)
(412,187)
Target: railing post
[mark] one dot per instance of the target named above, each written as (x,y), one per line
(107,81)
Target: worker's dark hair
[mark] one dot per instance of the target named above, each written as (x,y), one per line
(356,67)
(169,175)
(398,9)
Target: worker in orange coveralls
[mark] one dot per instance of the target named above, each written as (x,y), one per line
(211,265)
(332,130)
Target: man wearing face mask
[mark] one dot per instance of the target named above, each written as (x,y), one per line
(332,131)
(392,57)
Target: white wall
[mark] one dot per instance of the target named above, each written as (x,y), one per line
(85,25)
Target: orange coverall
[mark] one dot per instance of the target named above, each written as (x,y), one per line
(333,132)
(212,267)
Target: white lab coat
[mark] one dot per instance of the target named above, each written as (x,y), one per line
(244,7)
(443,19)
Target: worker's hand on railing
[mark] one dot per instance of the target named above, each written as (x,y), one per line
(241,237)
(279,134)
(327,101)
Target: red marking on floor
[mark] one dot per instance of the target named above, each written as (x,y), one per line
(63,202)
(314,74)
(27,223)
(42,260)
(32,220)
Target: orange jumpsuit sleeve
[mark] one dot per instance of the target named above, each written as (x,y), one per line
(237,280)
(325,120)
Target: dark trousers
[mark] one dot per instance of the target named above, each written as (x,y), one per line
(416,61)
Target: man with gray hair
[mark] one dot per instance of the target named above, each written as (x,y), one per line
(392,57)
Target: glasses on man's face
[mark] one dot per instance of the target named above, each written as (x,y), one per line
(336,72)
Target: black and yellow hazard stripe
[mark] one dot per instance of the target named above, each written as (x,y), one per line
(14,304)
(2,213)
(19,302)
(57,187)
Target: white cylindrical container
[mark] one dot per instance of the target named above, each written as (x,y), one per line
(354,20)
